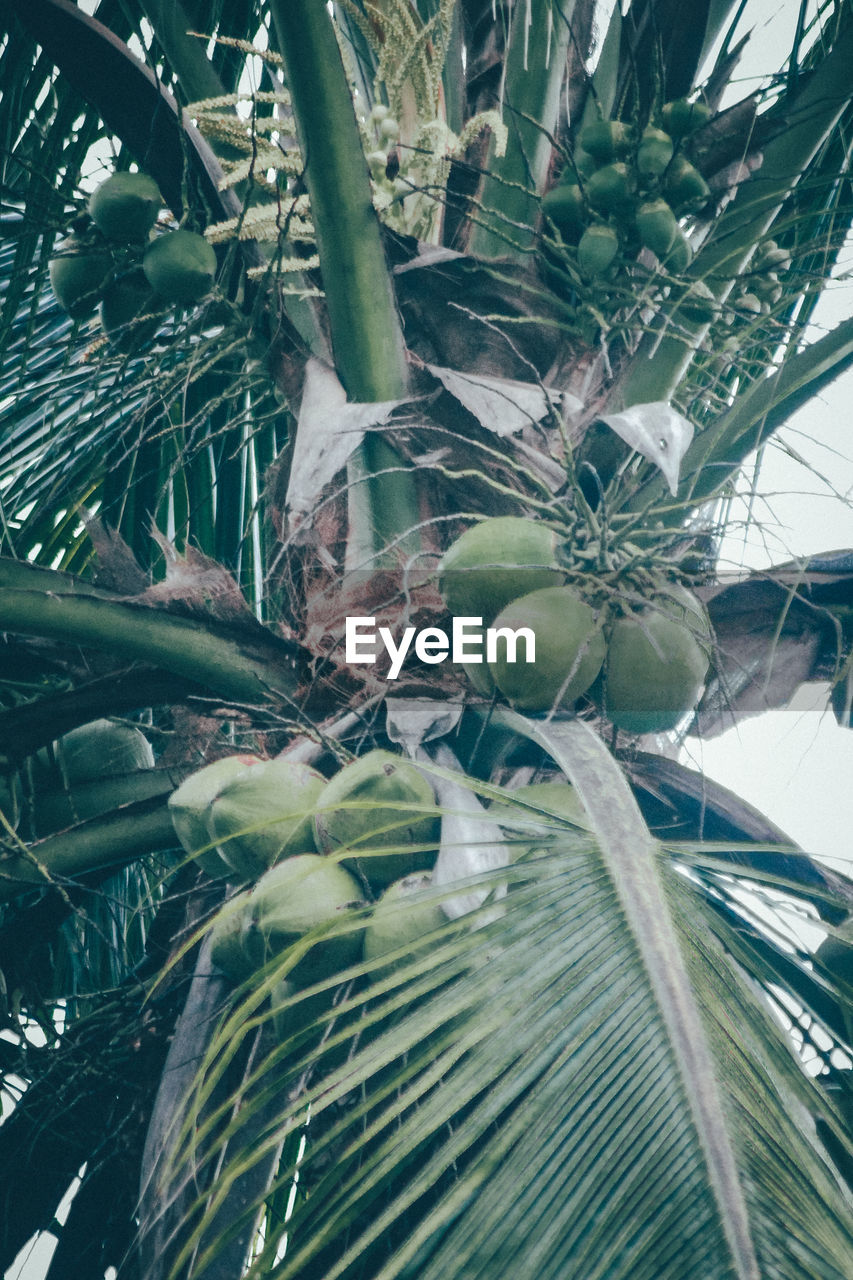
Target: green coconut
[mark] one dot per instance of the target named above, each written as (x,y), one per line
(680,255)
(265,814)
(400,920)
(495,561)
(610,190)
(566,207)
(189,806)
(180,266)
(125,207)
(598,246)
(130,311)
(684,185)
(603,139)
(226,938)
(655,669)
(292,899)
(100,749)
(680,118)
(569,649)
(654,152)
(378,803)
(657,227)
(557,798)
(78,276)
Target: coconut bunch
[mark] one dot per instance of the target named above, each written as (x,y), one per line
(114,261)
(621,191)
(641,656)
(276,823)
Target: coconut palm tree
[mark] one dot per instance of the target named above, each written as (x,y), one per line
(418,269)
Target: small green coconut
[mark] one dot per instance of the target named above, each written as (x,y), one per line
(557,798)
(400,920)
(684,185)
(130,311)
(569,647)
(125,207)
(292,899)
(680,118)
(598,247)
(495,561)
(78,276)
(189,807)
(180,266)
(566,207)
(379,802)
(611,190)
(101,748)
(226,939)
(654,671)
(265,814)
(603,139)
(680,254)
(657,227)
(654,152)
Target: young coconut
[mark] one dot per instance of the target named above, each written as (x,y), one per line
(265,814)
(603,139)
(656,666)
(657,227)
(610,190)
(125,207)
(189,806)
(379,802)
(180,266)
(685,187)
(654,152)
(681,118)
(566,208)
(558,798)
(290,901)
(496,561)
(401,918)
(598,246)
(101,748)
(569,649)
(226,939)
(78,275)
(130,311)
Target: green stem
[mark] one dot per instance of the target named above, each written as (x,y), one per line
(533,75)
(367,339)
(243,664)
(113,839)
(366,333)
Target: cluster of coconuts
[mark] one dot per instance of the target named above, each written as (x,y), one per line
(622,191)
(645,666)
(275,823)
(115,262)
